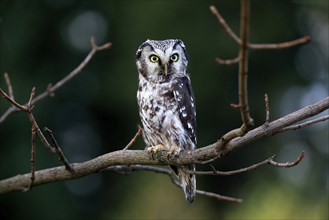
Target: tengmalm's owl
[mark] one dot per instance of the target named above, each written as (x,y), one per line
(167,104)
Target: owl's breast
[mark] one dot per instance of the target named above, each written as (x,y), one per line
(154,100)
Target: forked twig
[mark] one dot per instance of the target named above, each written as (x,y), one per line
(36,130)
(288,164)
(270,161)
(13,102)
(231,33)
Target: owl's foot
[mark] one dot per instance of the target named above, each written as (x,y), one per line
(155,149)
(174,152)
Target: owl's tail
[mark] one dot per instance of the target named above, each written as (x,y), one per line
(188,182)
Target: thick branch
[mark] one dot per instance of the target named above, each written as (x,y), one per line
(127,157)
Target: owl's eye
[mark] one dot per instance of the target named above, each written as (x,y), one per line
(174,57)
(154,58)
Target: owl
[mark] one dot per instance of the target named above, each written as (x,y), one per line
(167,105)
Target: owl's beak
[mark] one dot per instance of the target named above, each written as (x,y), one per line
(165,69)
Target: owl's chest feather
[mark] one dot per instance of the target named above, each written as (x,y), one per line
(156,103)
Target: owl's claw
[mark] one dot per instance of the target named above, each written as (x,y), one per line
(174,152)
(155,149)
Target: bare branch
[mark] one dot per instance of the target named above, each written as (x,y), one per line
(133,140)
(288,164)
(308,123)
(52,88)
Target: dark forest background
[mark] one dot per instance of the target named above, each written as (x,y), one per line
(95,113)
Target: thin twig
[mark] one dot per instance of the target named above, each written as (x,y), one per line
(29,103)
(77,70)
(284,45)
(233,105)
(218,197)
(52,88)
(59,151)
(133,140)
(228,61)
(215,172)
(288,164)
(10,88)
(41,136)
(307,123)
(32,161)
(267,110)
(13,102)
(222,22)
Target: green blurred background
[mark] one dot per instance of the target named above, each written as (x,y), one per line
(95,113)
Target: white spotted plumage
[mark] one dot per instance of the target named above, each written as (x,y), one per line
(166,102)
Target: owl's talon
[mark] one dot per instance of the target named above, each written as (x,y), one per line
(155,149)
(174,153)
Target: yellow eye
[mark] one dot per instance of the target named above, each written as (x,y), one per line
(174,57)
(154,58)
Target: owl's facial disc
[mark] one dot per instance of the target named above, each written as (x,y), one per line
(164,61)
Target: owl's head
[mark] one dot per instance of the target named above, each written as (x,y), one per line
(161,61)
